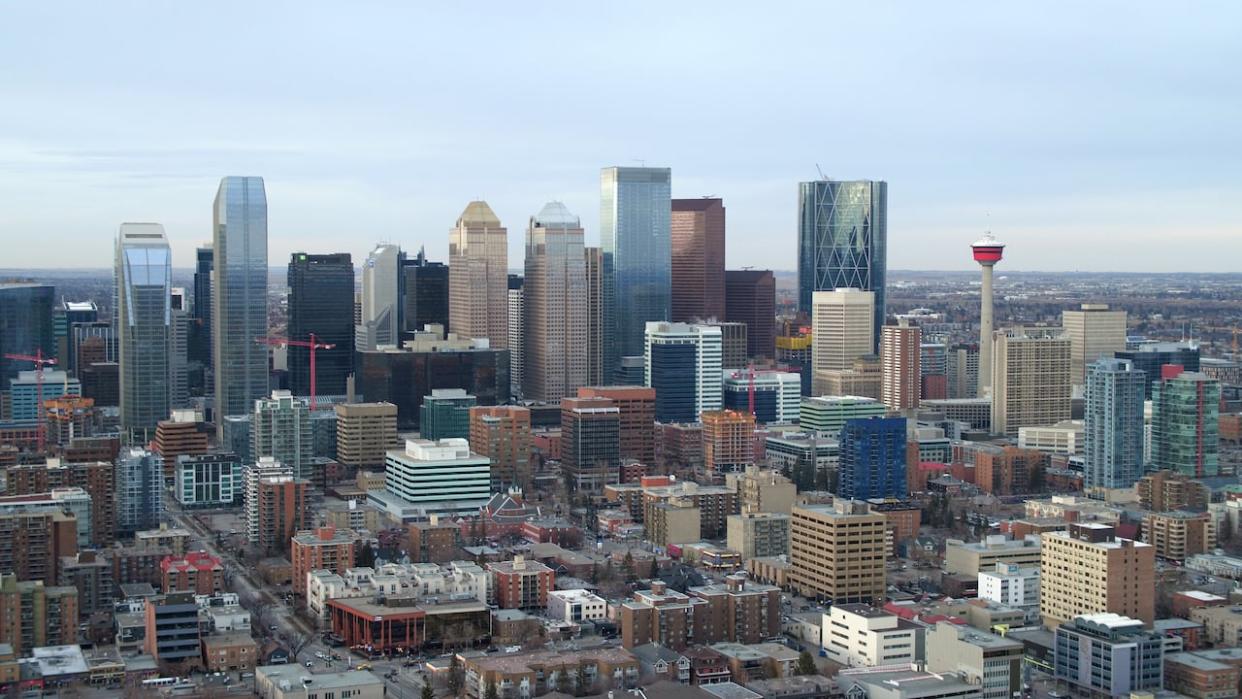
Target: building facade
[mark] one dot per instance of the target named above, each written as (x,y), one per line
(479,276)
(837,552)
(321,308)
(379,324)
(873,459)
(443,477)
(750,298)
(900,359)
(1185,423)
(281,429)
(1095,333)
(239,294)
(1113,424)
(502,434)
(555,302)
(144,326)
(684,366)
(1087,569)
(697,241)
(1030,381)
(365,432)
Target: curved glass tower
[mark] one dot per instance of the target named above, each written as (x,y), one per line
(239,294)
(143,324)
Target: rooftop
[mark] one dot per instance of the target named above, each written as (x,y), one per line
(1197,661)
(296,675)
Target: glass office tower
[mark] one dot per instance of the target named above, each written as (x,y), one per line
(842,238)
(25,326)
(635,213)
(200,328)
(239,294)
(321,301)
(143,325)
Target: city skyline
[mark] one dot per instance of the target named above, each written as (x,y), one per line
(1039,150)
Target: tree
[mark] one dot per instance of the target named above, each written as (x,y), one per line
(456,676)
(427,691)
(627,565)
(366,556)
(298,643)
(491,692)
(806,664)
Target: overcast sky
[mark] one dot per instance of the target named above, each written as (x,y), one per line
(1089,136)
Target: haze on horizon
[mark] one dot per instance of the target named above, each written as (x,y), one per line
(1099,136)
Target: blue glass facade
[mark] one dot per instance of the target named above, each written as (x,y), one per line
(873,458)
(842,240)
(635,213)
(321,301)
(144,325)
(766,410)
(1149,358)
(25,326)
(239,294)
(1113,424)
(673,378)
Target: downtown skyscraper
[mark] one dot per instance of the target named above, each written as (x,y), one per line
(635,213)
(1113,424)
(697,234)
(479,276)
(381,298)
(321,303)
(143,326)
(555,303)
(843,240)
(239,294)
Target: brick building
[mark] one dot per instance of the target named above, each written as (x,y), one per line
(198,572)
(636,405)
(521,584)
(325,548)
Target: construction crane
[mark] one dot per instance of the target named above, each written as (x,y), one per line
(39,361)
(312,343)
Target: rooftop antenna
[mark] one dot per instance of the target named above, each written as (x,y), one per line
(822,176)
(641,162)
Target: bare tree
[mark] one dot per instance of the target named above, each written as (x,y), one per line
(297,643)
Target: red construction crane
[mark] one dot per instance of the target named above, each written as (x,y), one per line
(311,343)
(39,361)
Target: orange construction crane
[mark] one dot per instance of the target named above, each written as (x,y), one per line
(311,343)
(39,361)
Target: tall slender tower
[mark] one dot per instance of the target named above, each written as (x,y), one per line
(987,251)
(380,299)
(143,326)
(479,276)
(555,301)
(239,295)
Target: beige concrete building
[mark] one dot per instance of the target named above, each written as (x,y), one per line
(865,379)
(900,379)
(842,330)
(1178,535)
(987,660)
(838,551)
(676,521)
(759,534)
(962,558)
(1030,381)
(555,360)
(479,276)
(1094,332)
(760,490)
(364,432)
(1089,570)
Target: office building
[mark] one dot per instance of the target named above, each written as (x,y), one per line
(777,395)
(365,432)
(239,294)
(970,559)
(901,375)
(442,477)
(183,433)
(794,352)
(843,333)
(199,353)
(1108,655)
(502,434)
(593,261)
(732,344)
(517,333)
(873,459)
(430,361)
(178,349)
(25,325)
(758,534)
(1087,569)
(380,323)
(590,443)
(143,276)
(281,429)
(1030,381)
(697,241)
(962,367)
(683,365)
(933,371)
(321,307)
(293,682)
(1177,536)
(990,661)
(750,298)
(1185,423)
(826,415)
(325,548)
(425,285)
(479,275)
(555,298)
(837,552)
(857,635)
(24,393)
(636,250)
(636,406)
(446,413)
(1094,332)
(172,632)
(1010,585)
(728,441)
(1113,424)
(842,242)
(139,490)
(208,480)
(1149,358)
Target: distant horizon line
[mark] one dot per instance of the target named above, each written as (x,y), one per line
(1003,272)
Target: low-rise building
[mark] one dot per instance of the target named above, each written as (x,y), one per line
(229,652)
(576,606)
(857,635)
(198,572)
(1179,535)
(297,682)
(1108,655)
(759,534)
(973,558)
(1222,626)
(457,581)
(520,675)
(1196,676)
(905,683)
(985,659)
(325,548)
(1011,585)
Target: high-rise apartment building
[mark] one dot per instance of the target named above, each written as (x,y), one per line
(1008,470)
(842,242)
(1113,424)
(446,413)
(590,443)
(750,298)
(1185,423)
(900,359)
(636,405)
(96,478)
(556,305)
(502,434)
(593,268)
(1030,381)
(873,459)
(239,294)
(1094,332)
(25,326)
(842,330)
(517,333)
(143,320)
(837,552)
(380,323)
(1087,569)
(759,534)
(259,469)
(426,290)
(321,305)
(697,241)
(178,348)
(683,365)
(1177,536)
(278,509)
(635,242)
(479,276)
(139,490)
(933,371)
(325,548)
(962,367)
(281,429)
(34,615)
(728,441)
(365,432)
(1162,491)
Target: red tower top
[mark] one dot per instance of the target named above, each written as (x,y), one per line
(987,250)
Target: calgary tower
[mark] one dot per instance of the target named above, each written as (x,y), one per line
(987,252)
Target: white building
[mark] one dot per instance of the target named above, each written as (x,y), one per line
(669,368)
(857,635)
(379,299)
(576,606)
(843,329)
(457,581)
(1065,437)
(778,394)
(1010,585)
(208,480)
(442,477)
(517,342)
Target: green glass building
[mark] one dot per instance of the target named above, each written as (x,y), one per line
(446,413)
(1185,431)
